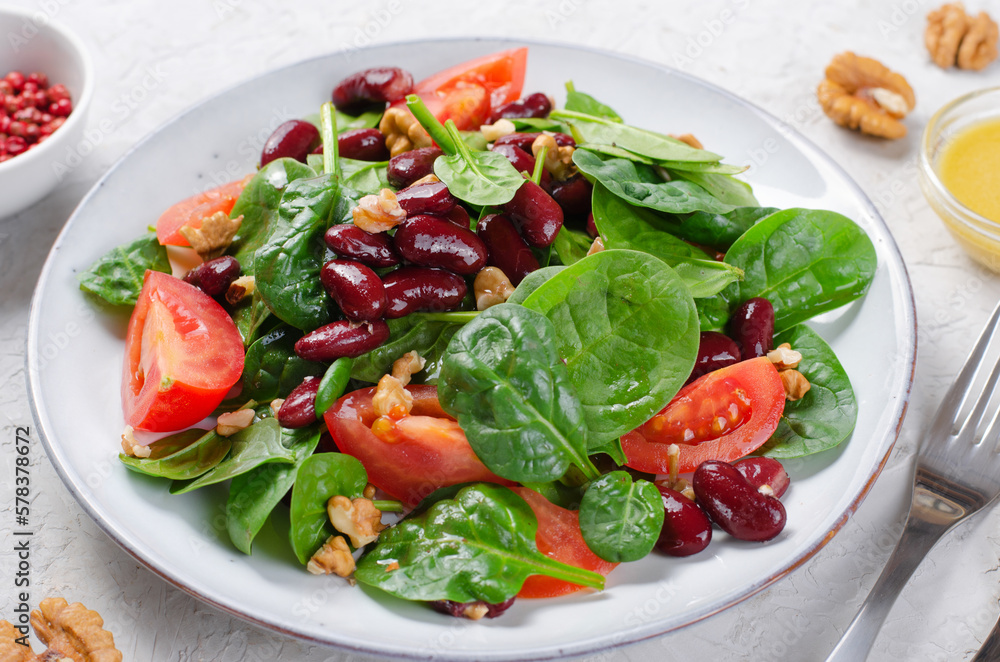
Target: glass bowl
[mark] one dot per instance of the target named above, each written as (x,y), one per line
(978,235)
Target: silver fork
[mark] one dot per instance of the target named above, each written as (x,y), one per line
(957,473)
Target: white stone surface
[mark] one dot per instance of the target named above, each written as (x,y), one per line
(154,59)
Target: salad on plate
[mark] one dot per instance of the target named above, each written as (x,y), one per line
(481,347)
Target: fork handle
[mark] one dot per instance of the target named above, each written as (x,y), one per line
(917,539)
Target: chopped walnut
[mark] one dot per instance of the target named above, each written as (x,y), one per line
(861,93)
(491,287)
(784,357)
(596,247)
(672,480)
(475,610)
(72,632)
(391,398)
(378,213)
(10,649)
(955,38)
(131,446)
(240,288)
(795,383)
(558,160)
(426,179)
(688,140)
(359,519)
(214,236)
(333,558)
(402,131)
(502,127)
(369,491)
(232,422)
(276,405)
(392,566)
(408,365)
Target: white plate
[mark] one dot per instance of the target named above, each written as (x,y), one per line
(75,353)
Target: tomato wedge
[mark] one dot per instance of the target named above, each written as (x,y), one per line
(723,415)
(559,538)
(467,93)
(192,210)
(426,450)
(182,355)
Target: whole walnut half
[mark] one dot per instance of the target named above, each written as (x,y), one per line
(71,633)
(862,93)
(953,37)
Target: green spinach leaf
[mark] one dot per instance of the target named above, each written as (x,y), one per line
(272,368)
(479,178)
(333,384)
(118,276)
(628,329)
(581,102)
(620,519)
(408,333)
(571,246)
(723,187)
(478,546)
(719,231)
(511,394)
(320,477)
(365,177)
(532,282)
(181,456)
(713,313)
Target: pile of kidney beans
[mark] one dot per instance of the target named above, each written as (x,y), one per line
(30,111)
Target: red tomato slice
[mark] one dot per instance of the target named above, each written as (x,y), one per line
(559,538)
(192,210)
(723,415)
(468,92)
(182,355)
(427,449)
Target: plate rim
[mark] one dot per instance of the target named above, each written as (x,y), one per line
(897,267)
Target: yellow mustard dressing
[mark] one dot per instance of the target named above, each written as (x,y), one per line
(969,167)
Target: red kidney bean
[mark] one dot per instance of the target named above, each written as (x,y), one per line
(507,250)
(752,327)
(715,350)
(535,214)
(459,609)
(429,241)
(339,339)
(533,105)
(294,139)
(761,471)
(215,276)
(362,144)
(371,87)
(459,216)
(412,289)
(350,241)
(299,408)
(524,140)
(355,288)
(592,226)
(574,196)
(430,198)
(735,504)
(410,166)
(522,162)
(686,528)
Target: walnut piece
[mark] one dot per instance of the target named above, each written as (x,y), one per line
(426,179)
(402,131)
(688,140)
(214,236)
(861,93)
(795,383)
(408,365)
(378,213)
(491,287)
(276,405)
(359,519)
(131,446)
(241,288)
(333,558)
(232,422)
(72,632)
(596,247)
(391,398)
(955,38)
(10,649)
(558,160)
(502,127)
(783,357)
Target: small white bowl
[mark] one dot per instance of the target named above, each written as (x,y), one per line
(34,43)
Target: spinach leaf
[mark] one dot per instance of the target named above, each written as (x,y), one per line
(826,415)
(333,384)
(478,546)
(181,456)
(536,124)
(623,226)
(272,368)
(692,166)
(365,177)
(252,317)
(641,186)
(722,187)
(510,392)
(320,477)
(628,329)
(571,245)
(719,231)
(345,122)
(479,178)
(713,313)
(118,276)
(408,333)
(532,282)
(584,103)
(254,494)
(620,519)
(804,262)
(253,446)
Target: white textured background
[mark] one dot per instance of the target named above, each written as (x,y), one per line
(154,59)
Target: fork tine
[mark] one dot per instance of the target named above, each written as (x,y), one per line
(972,422)
(955,397)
